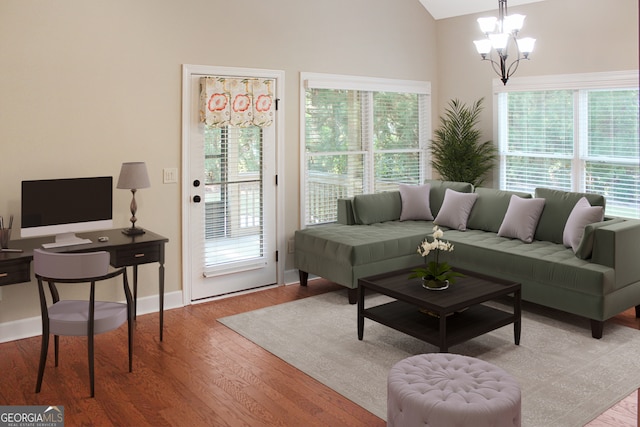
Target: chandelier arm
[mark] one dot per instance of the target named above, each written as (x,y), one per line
(499,68)
(495,65)
(513,67)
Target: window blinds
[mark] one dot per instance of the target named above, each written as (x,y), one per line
(233,199)
(613,149)
(576,140)
(537,141)
(335,154)
(398,154)
(359,141)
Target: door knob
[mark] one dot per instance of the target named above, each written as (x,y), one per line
(196,199)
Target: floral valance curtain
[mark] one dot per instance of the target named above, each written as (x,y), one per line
(240,102)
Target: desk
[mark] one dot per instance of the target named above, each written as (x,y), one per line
(126,251)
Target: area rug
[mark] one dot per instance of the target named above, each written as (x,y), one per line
(567,378)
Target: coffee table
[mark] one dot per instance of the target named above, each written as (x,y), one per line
(442,318)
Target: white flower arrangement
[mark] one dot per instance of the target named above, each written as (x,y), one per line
(435,271)
(436,245)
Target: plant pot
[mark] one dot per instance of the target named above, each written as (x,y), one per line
(435,285)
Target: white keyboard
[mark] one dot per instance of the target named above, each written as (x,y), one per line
(62,244)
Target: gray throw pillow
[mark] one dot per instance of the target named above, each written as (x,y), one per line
(489,210)
(557,207)
(415,202)
(582,215)
(455,209)
(522,218)
(438,188)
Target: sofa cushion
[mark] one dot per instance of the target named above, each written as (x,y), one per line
(557,208)
(415,202)
(489,210)
(455,209)
(377,207)
(540,262)
(354,245)
(438,188)
(521,218)
(345,212)
(581,215)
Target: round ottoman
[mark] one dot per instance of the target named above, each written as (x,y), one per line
(450,390)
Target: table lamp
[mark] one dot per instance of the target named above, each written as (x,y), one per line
(133,176)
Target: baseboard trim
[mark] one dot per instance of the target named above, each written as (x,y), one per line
(292,276)
(31,327)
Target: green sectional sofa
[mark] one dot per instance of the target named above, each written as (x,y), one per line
(590,269)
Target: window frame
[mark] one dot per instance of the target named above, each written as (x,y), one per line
(579,84)
(365,84)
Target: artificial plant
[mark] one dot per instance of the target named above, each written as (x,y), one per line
(457,153)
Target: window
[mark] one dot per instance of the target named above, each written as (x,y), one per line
(359,136)
(573,133)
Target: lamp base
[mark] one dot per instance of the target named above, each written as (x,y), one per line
(133,231)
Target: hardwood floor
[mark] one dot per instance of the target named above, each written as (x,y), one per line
(202,374)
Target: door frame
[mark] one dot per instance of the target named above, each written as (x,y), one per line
(189,70)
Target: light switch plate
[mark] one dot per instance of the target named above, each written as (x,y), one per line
(170,175)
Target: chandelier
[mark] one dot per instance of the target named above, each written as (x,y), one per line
(499,33)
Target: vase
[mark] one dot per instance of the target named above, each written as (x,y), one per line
(435,285)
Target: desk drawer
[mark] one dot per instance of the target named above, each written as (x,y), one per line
(141,254)
(15,272)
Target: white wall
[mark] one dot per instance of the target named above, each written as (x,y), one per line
(88,84)
(572,36)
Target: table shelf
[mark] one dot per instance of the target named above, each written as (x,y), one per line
(462,326)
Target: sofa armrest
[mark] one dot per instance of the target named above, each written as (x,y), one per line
(345,212)
(616,246)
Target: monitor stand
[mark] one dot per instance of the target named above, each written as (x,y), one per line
(66,239)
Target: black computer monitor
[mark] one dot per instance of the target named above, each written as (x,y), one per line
(63,207)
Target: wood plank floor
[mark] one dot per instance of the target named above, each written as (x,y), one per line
(202,374)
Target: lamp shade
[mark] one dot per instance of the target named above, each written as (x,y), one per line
(487,25)
(499,41)
(513,23)
(133,176)
(526,45)
(483,46)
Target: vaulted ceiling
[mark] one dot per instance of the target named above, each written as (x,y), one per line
(441,9)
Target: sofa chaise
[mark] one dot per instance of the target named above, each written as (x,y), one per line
(554,244)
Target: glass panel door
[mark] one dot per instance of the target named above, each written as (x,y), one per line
(232,206)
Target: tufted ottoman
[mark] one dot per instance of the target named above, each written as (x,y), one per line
(450,390)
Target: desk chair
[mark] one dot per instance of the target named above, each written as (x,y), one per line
(78,318)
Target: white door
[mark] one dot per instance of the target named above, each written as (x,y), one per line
(230,187)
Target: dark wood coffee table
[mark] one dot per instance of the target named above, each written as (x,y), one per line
(442,318)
